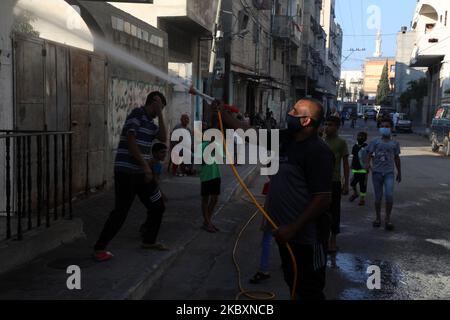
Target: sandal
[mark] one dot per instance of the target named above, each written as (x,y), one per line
(209,229)
(389,226)
(258,277)
(376,224)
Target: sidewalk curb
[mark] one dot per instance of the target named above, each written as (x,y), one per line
(148,279)
(38,241)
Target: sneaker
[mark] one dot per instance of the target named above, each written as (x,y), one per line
(259,277)
(389,226)
(209,228)
(102,256)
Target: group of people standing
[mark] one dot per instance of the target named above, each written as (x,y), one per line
(303,198)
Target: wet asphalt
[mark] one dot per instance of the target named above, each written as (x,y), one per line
(413,260)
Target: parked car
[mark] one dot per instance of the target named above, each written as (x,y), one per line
(440,129)
(371,113)
(404,123)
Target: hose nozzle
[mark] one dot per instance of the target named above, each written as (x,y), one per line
(195,92)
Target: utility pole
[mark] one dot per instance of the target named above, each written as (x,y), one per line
(212,61)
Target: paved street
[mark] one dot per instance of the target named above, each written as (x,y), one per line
(413,259)
(133,269)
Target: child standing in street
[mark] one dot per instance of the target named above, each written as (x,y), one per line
(359,170)
(266,243)
(384,153)
(341,155)
(159,152)
(210,179)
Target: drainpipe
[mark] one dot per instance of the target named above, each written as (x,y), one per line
(199,79)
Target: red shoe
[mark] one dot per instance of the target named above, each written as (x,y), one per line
(102,256)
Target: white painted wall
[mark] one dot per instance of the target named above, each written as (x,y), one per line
(58,21)
(149,13)
(441,31)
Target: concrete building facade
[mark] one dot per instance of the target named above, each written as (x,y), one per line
(404,74)
(373,68)
(333,51)
(431,25)
(258,46)
(352,84)
(64,85)
(308,77)
(189,25)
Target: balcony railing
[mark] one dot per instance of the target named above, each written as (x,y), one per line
(35,180)
(284,27)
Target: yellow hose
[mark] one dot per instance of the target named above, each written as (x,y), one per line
(256,295)
(261,209)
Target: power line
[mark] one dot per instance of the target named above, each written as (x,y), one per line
(370,35)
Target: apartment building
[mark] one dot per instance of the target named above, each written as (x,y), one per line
(431,26)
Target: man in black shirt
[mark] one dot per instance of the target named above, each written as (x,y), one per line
(299,198)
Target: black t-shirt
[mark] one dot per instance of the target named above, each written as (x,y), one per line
(356,162)
(306,168)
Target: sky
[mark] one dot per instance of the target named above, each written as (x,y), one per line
(356,16)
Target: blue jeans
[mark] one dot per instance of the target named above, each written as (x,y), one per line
(385,180)
(265,251)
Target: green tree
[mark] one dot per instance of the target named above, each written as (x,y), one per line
(383,89)
(417,90)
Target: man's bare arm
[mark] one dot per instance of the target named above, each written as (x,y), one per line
(399,168)
(228,120)
(369,161)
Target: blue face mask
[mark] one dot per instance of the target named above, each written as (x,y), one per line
(385,132)
(293,123)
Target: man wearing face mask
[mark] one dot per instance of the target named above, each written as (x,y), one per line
(299,197)
(384,152)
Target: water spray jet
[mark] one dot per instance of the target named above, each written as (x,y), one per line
(195,92)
